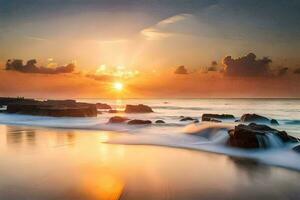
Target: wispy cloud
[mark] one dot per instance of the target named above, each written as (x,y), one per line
(36,38)
(174,19)
(161,29)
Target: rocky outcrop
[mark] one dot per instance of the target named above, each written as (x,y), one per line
(139,122)
(160,121)
(117,119)
(112,111)
(44,109)
(216,117)
(103,106)
(52,108)
(138,109)
(257,136)
(4,101)
(258,118)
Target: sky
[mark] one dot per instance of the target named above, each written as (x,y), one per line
(156,48)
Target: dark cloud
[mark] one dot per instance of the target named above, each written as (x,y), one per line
(30,67)
(103,78)
(247,66)
(282,71)
(181,70)
(297,71)
(213,67)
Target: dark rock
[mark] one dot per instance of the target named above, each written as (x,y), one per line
(139,122)
(99,112)
(117,119)
(274,122)
(187,119)
(256,136)
(237,120)
(213,117)
(138,109)
(7,100)
(103,106)
(44,109)
(297,149)
(196,121)
(258,118)
(160,121)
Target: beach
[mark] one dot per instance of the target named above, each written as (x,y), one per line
(39,163)
(89,158)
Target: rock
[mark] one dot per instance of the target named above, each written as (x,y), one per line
(112,111)
(45,109)
(4,101)
(99,112)
(211,120)
(196,121)
(187,119)
(138,109)
(160,121)
(103,106)
(274,122)
(297,149)
(216,117)
(258,118)
(117,119)
(256,136)
(139,122)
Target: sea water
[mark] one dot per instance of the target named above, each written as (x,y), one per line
(203,136)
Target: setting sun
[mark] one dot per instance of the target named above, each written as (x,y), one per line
(118,86)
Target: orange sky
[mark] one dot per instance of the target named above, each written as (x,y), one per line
(146,85)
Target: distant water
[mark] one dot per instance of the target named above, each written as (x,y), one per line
(179,134)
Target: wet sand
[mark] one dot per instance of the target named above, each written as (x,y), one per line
(40,163)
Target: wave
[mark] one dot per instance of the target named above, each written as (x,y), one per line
(210,137)
(293,122)
(179,108)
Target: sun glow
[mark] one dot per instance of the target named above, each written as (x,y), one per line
(118,86)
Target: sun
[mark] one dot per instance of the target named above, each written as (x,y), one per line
(118,86)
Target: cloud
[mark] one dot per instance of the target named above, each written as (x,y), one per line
(282,71)
(297,71)
(36,38)
(30,67)
(104,78)
(213,67)
(247,66)
(173,19)
(181,70)
(165,28)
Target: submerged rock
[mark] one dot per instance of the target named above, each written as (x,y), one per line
(139,122)
(187,119)
(257,136)
(103,106)
(258,118)
(138,109)
(117,119)
(297,149)
(274,122)
(216,117)
(160,121)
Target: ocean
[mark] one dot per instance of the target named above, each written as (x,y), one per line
(88,158)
